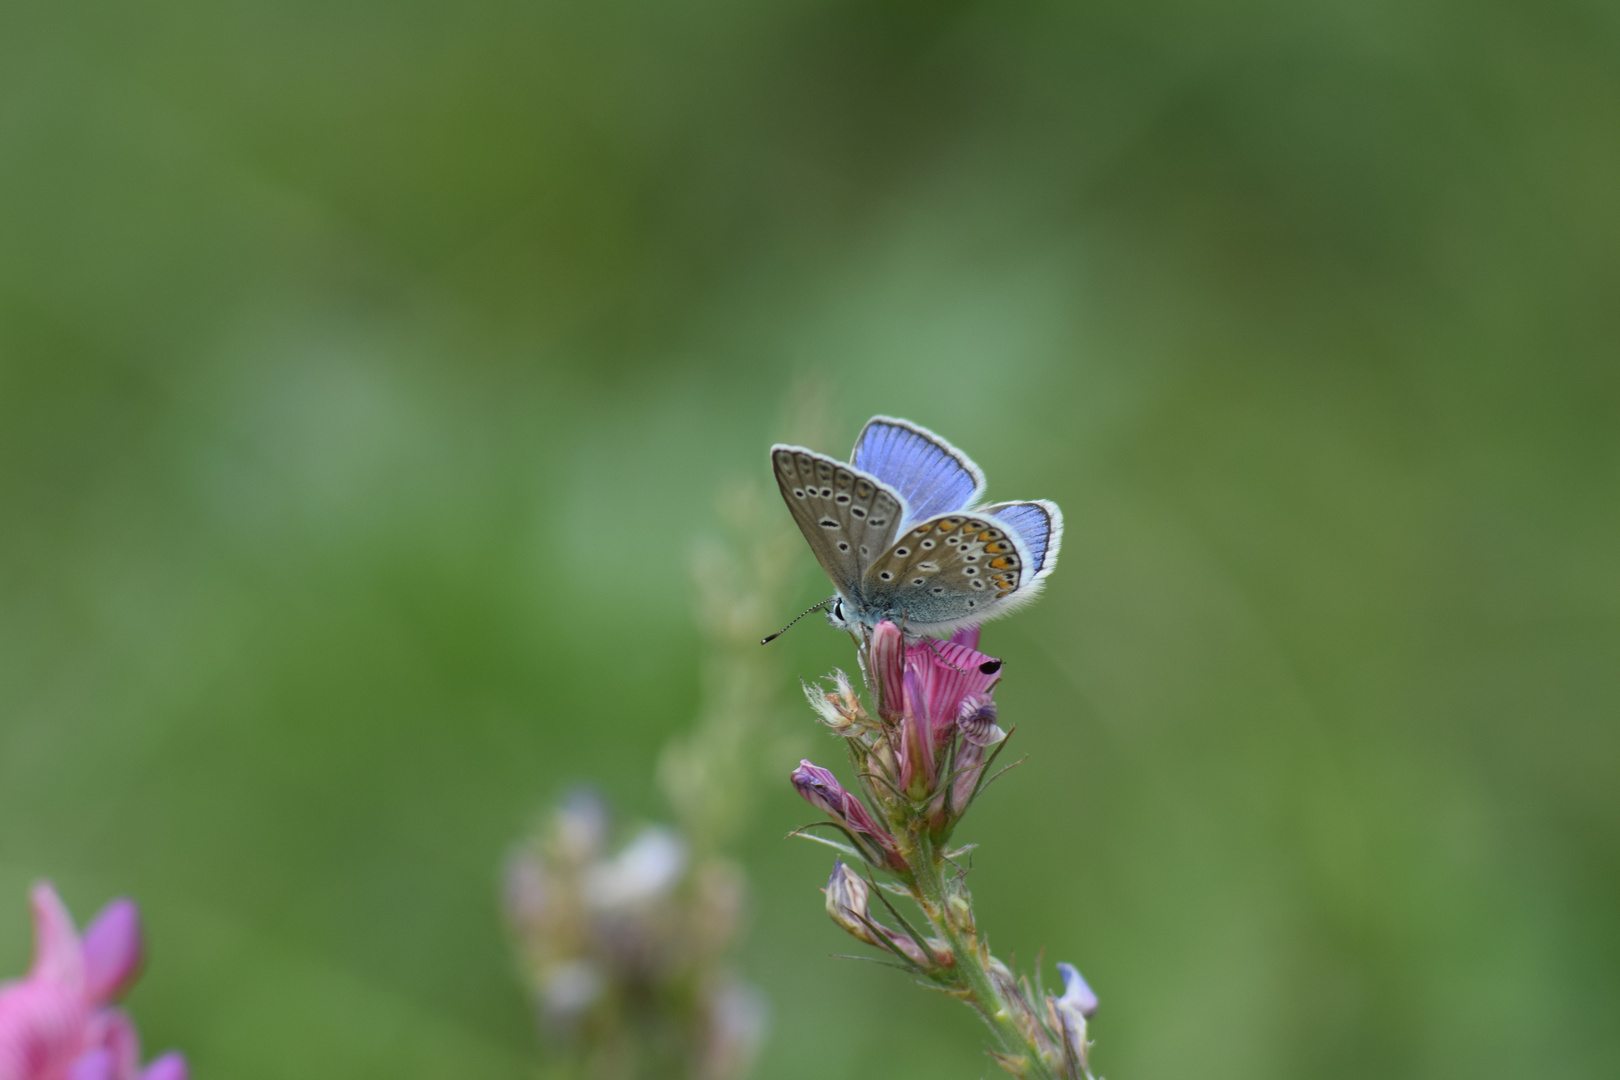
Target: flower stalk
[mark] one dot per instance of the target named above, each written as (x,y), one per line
(921,762)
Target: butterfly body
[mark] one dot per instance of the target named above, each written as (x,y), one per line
(900,533)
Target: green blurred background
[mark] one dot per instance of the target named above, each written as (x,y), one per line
(367,371)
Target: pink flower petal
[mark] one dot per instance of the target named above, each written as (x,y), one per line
(886,659)
(113,1031)
(113,950)
(171,1066)
(967,637)
(58,957)
(946,674)
(42,1029)
(96,1065)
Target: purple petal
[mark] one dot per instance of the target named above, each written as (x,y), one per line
(113,950)
(977,721)
(113,1031)
(1077,993)
(819,787)
(58,957)
(967,638)
(96,1065)
(171,1066)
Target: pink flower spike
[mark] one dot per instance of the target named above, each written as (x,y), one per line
(113,950)
(171,1066)
(58,957)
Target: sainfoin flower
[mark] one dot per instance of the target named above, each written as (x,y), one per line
(925,684)
(57,1022)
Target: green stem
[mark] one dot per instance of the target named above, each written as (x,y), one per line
(933,895)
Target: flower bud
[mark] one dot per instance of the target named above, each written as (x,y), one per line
(976,720)
(171,1066)
(1077,993)
(847,898)
(112,949)
(820,788)
(1073,1009)
(979,731)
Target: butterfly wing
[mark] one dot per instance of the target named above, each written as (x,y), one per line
(848,516)
(1038,525)
(961,568)
(930,474)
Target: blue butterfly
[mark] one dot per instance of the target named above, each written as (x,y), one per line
(899,534)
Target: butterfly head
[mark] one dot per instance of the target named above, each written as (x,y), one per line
(841,615)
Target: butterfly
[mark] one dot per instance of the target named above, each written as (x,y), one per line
(899,532)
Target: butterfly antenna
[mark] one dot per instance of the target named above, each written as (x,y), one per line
(796,618)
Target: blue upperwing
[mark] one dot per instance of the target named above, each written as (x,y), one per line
(1039,525)
(933,476)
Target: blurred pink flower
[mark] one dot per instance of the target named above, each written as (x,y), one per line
(57,1023)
